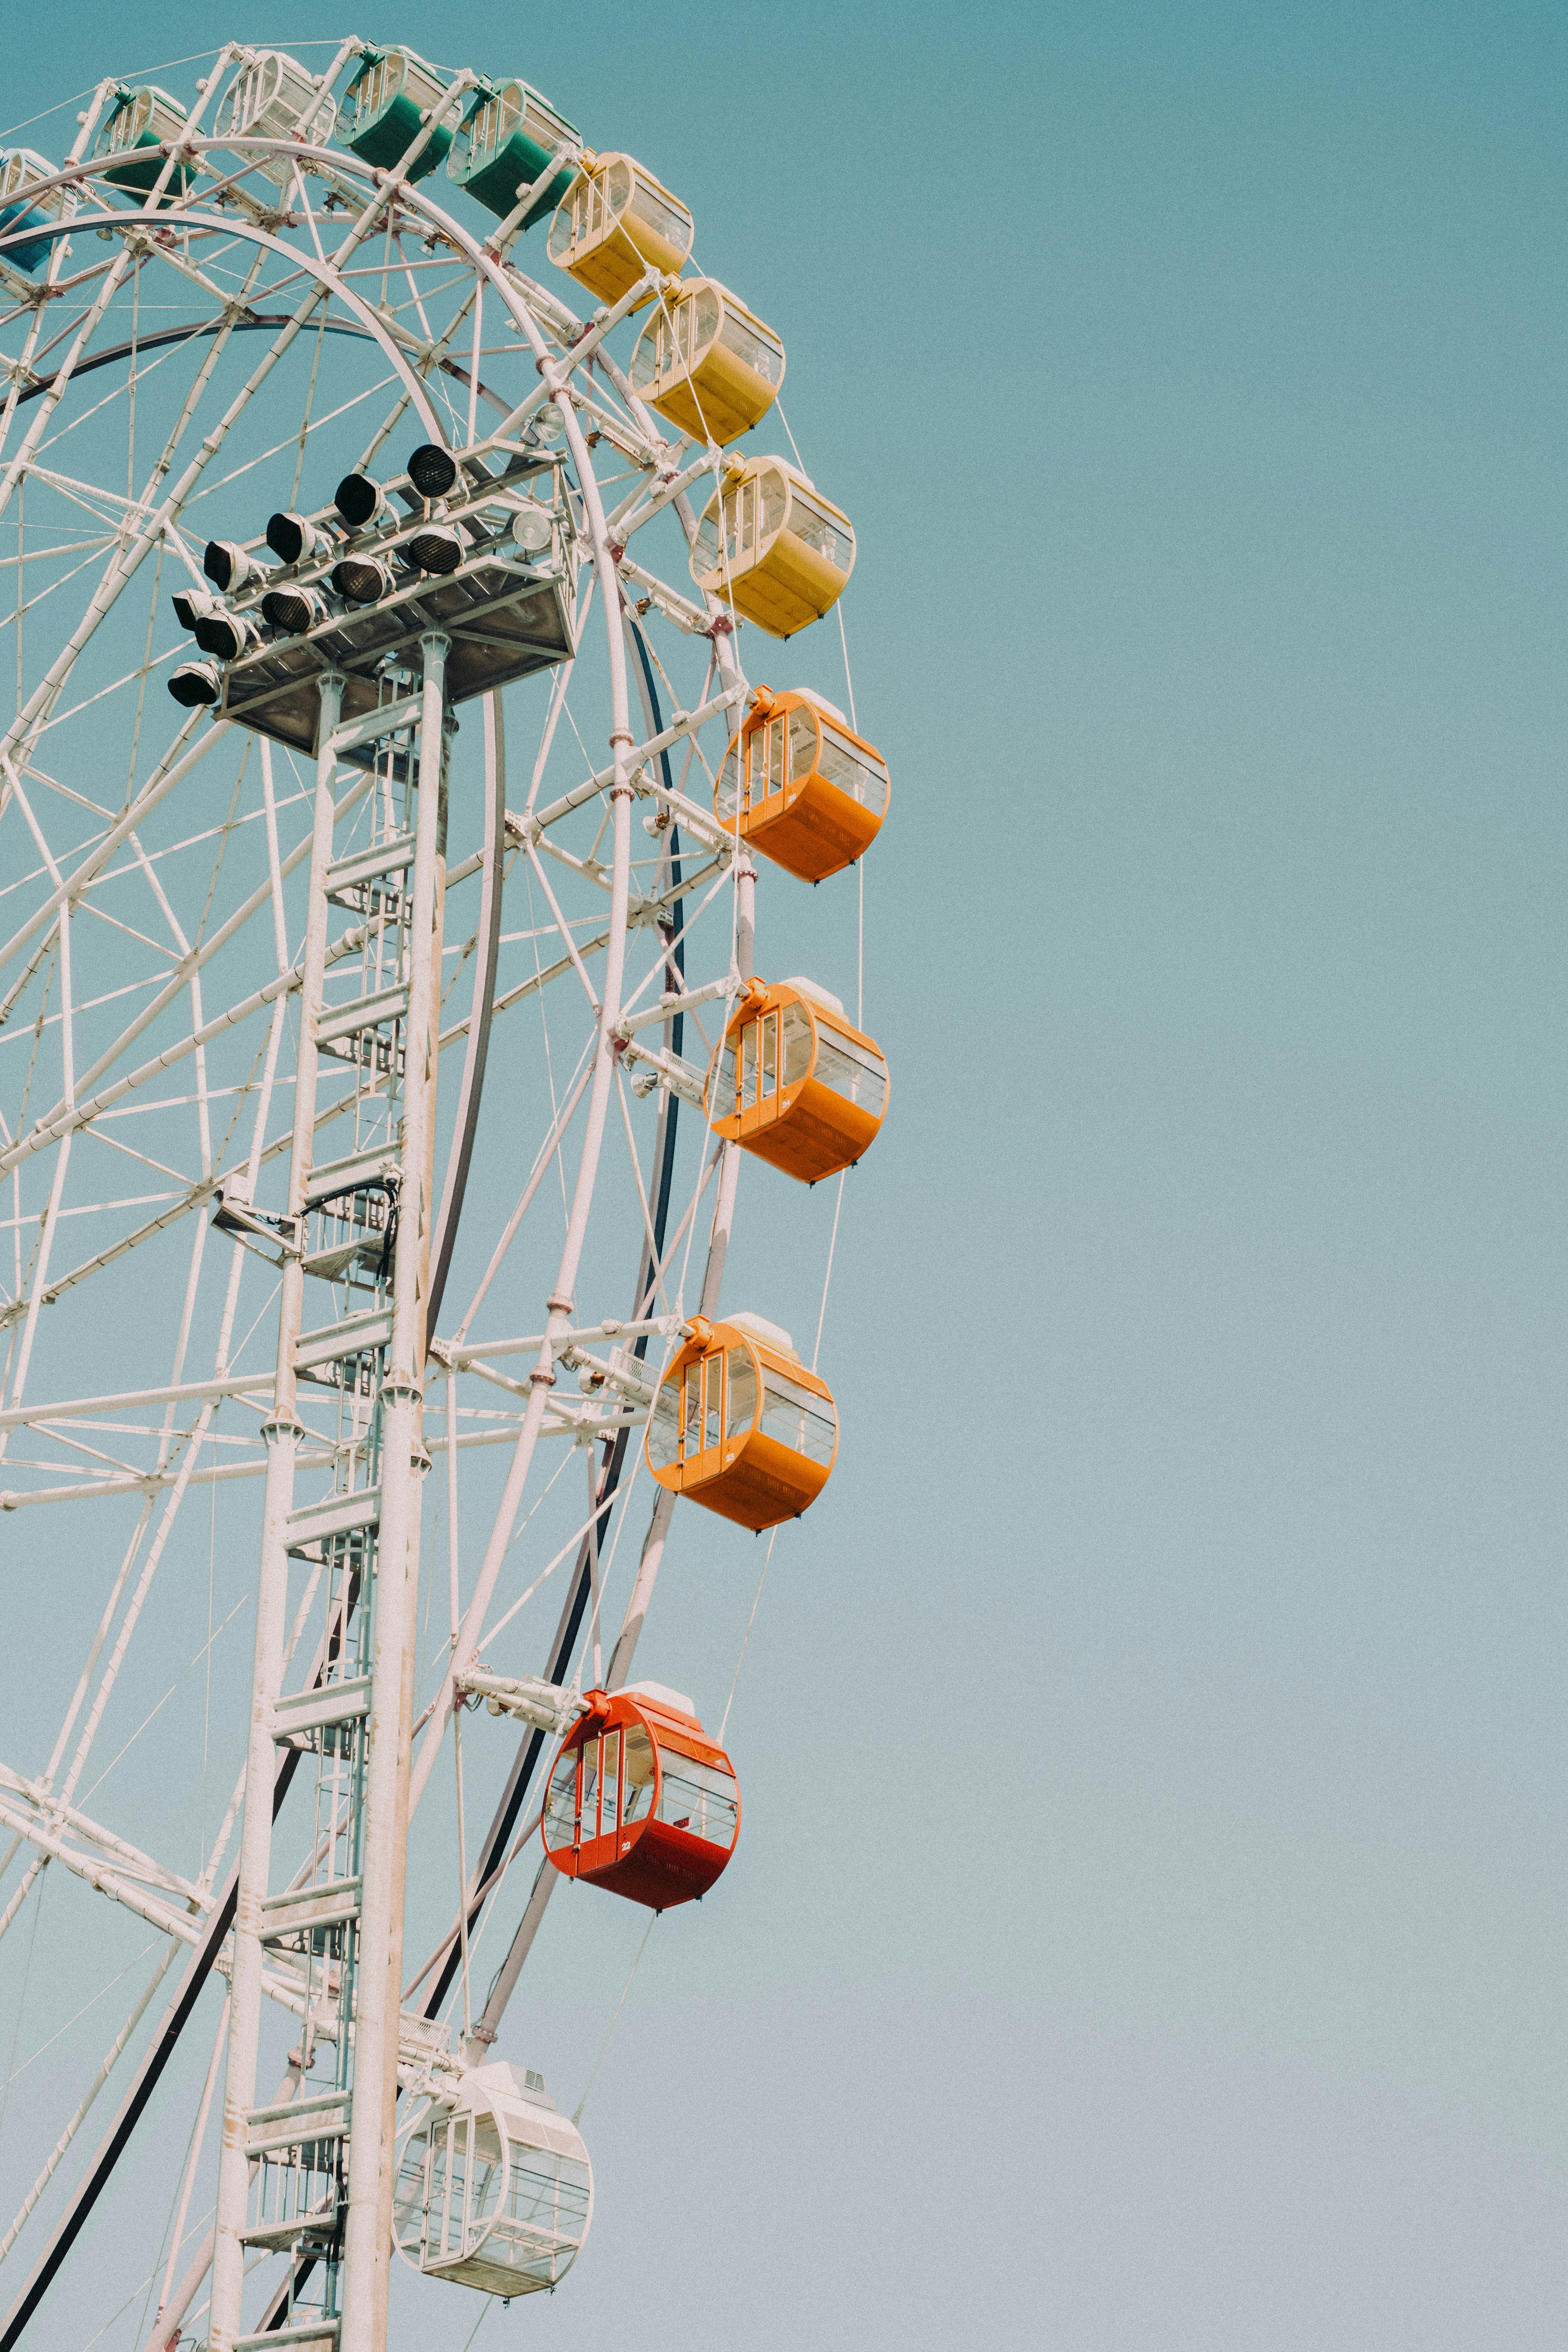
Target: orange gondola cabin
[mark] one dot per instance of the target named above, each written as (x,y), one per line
(740,1427)
(796,1082)
(807,790)
(641,1800)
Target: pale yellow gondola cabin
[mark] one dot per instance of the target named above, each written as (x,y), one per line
(614,224)
(740,1427)
(707,364)
(796,1082)
(772,544)
(803,787)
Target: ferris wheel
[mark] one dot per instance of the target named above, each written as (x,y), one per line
(382,809)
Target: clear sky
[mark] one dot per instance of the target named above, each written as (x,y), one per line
(1147,1930)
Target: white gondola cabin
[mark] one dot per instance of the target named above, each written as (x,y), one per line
(797,1083)
(141,123)
(770,542)
(614,223)
(641,1802)
(740,1427)
(391,95)
(19,167)
(495,2189)
(274,97)
(706,363)
(807,790)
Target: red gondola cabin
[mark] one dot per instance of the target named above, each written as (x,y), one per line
(641,1802)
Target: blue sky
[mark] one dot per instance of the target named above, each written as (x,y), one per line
(1147,1929)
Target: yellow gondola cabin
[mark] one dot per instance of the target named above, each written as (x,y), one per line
(740,1427)
(707,364)
(616,222)
(796,1082)
(770,543)
(812,794)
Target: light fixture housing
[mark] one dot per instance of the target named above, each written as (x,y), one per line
(292,609)
(225,636)
(362,579)
(530,528)
(432,470)
(228,567)
(358,499)
(293,539)
(190,604)
(196,686)
(436,548)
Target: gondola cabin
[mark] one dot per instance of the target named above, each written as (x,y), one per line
(614,223)
(273,97)
(389,98)
(707,364)
(740,1427)
(808,791)
(641,1802)
(796,1082)
(509,135)
(772,544)
(495,2189)
(19,167)
(136,129)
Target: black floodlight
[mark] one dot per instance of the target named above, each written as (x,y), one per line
(432,470)
(196,684)
(227,565)
(436,547)
(293,539)
(225,635)
(189,604)
(293,610)
(357,499)
(362,579)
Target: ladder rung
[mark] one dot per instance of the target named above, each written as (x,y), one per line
(376,1162)
(365,865)
(318,2231)
(301,2336)
(312,1710)
(366,1012)
(306,1907)
(339,1514)
(352,1337)
(323,2118)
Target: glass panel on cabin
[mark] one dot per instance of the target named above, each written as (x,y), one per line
(852,1070)
(816,528)
(707,551)
(795,1044)
(722,1099)
(664,1426)
(651,204)
(699,1799)
(639,1794)
(546,2214)
(712,1401)
(854,772)
(740,1392)
(802,744)
(692,1391)
(749,1066)
(561,1806)
(616,184)
(609,1786)
(797,1418)
(776,498)
(762,353)
(590,1789)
